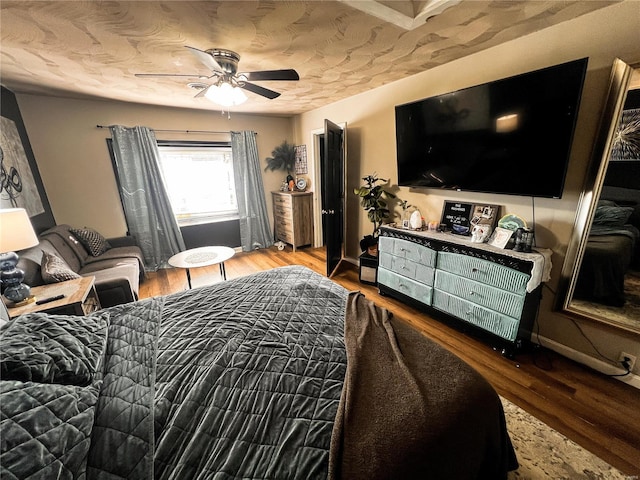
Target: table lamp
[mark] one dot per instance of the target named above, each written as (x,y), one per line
(16,233)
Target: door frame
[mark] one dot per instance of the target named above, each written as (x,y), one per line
(316,181)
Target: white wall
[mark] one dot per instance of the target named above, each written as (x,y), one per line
(74,162)
(602,36)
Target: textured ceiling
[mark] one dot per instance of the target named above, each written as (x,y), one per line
(92,49)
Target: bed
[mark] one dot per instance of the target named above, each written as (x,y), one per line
(613,247)
(281,374)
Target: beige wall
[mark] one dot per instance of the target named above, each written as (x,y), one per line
(76,169)
(601,36)
(74,161)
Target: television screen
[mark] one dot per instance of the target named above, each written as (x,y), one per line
(511,136)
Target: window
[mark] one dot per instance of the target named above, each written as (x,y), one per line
(199,181)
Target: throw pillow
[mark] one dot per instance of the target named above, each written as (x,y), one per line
(45,348)
(54,269)
(612,216)
(95,243)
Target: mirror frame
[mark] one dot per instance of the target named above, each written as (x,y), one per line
(612,112)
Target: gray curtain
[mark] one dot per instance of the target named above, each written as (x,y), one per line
(255,231)
(146,204)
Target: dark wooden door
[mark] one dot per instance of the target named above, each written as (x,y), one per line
(333,194)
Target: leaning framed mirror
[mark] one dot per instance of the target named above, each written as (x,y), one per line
(600,278)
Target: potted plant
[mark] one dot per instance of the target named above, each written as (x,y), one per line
(283,157)
(373,198)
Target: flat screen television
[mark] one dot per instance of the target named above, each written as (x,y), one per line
(511,136)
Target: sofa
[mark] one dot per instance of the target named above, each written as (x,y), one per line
(118,266)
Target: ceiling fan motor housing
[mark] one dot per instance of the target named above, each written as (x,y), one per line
(227,59)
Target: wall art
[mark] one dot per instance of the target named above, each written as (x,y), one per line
(18,188)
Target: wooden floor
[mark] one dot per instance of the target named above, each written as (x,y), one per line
(599,413)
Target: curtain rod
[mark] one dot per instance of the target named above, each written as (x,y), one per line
(174,131)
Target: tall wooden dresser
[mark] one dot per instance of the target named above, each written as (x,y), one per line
(293,217)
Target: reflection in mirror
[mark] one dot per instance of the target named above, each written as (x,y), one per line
(603,276)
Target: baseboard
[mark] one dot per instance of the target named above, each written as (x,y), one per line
(599,365)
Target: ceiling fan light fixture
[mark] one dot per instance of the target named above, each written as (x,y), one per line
(226,95)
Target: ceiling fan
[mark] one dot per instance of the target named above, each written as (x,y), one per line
(223,65)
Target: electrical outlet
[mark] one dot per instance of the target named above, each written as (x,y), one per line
(630,359)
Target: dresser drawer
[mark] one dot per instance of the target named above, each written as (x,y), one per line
(510,304)
(284,224)
(407,268)
(385,245)
(282,200)
(490,320)
(282,210)
(284,231)
(414,252)
(285,236)
(418,291)
(409,250)
(484,271)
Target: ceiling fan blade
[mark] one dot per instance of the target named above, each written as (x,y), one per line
(265,92)
(150,75)
(202,92)
(288,74)
(207,59)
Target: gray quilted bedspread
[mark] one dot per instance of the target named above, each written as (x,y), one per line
(241,379)
(248,376)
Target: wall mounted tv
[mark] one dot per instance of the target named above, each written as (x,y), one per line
(511,136)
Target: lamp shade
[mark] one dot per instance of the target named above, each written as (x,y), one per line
(16,231)
(225,95)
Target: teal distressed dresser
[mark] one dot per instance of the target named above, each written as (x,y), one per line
(493,290)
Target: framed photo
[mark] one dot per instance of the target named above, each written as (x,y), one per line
(485,215)
(461,217)
(500,237)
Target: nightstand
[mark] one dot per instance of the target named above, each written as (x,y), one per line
(80,298)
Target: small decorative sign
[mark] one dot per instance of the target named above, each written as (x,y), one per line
(456,217)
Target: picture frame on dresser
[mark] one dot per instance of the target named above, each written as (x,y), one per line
(500,237)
